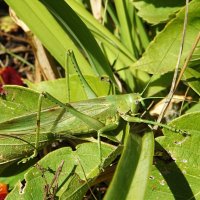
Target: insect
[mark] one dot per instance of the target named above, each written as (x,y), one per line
(89,116)
(34,126)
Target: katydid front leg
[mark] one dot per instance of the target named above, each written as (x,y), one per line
(99,133)
(88,90)
(129,118)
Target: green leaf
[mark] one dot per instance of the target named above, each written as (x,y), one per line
(20,101)
(158,83)
(194,108)
(155,12)
(71,181)
(131,175)
(10,175)
(191,76)
(178,177)
(162,54)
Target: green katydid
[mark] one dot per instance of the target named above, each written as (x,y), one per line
(94,115)
(53,119)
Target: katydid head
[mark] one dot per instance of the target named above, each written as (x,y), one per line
(128,103)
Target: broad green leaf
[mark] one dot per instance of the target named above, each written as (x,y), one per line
(195,59)
(43,25)
(158,83)
(131,175)
(194,108)
(178,177)
(10,175)
(71,182)
(58,88)
(167,181)
(162,54)
(191,76)
(20,101)
(155,12)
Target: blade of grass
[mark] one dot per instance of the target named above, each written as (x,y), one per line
(123,12)
(133,170)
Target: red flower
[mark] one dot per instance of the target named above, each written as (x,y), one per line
(9,76)
(3,191)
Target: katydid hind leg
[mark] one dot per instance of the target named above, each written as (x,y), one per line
(38,125)
(90,121)
(37,134)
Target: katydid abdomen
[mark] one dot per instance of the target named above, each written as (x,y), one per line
(55,121)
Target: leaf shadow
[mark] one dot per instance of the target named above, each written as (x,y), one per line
(175,178)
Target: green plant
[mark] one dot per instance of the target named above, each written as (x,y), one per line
(175,172)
